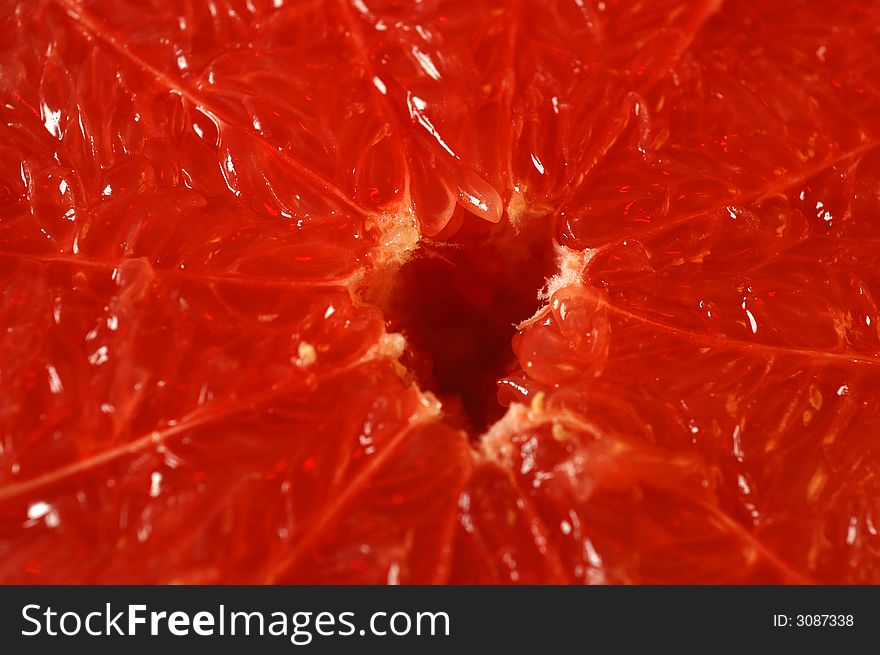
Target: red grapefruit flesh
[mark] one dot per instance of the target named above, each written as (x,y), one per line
(262,261)
(701,391)
(189,392)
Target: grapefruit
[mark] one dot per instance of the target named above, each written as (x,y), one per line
(479,292)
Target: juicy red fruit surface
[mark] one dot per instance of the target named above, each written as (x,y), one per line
(208,244)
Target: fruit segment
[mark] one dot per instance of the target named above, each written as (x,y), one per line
(478,292)
(727,436)
(189,391)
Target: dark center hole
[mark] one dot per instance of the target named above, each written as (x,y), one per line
(458,302)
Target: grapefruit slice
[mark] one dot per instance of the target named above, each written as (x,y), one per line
(183,363)
(696,400)
(260,263)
